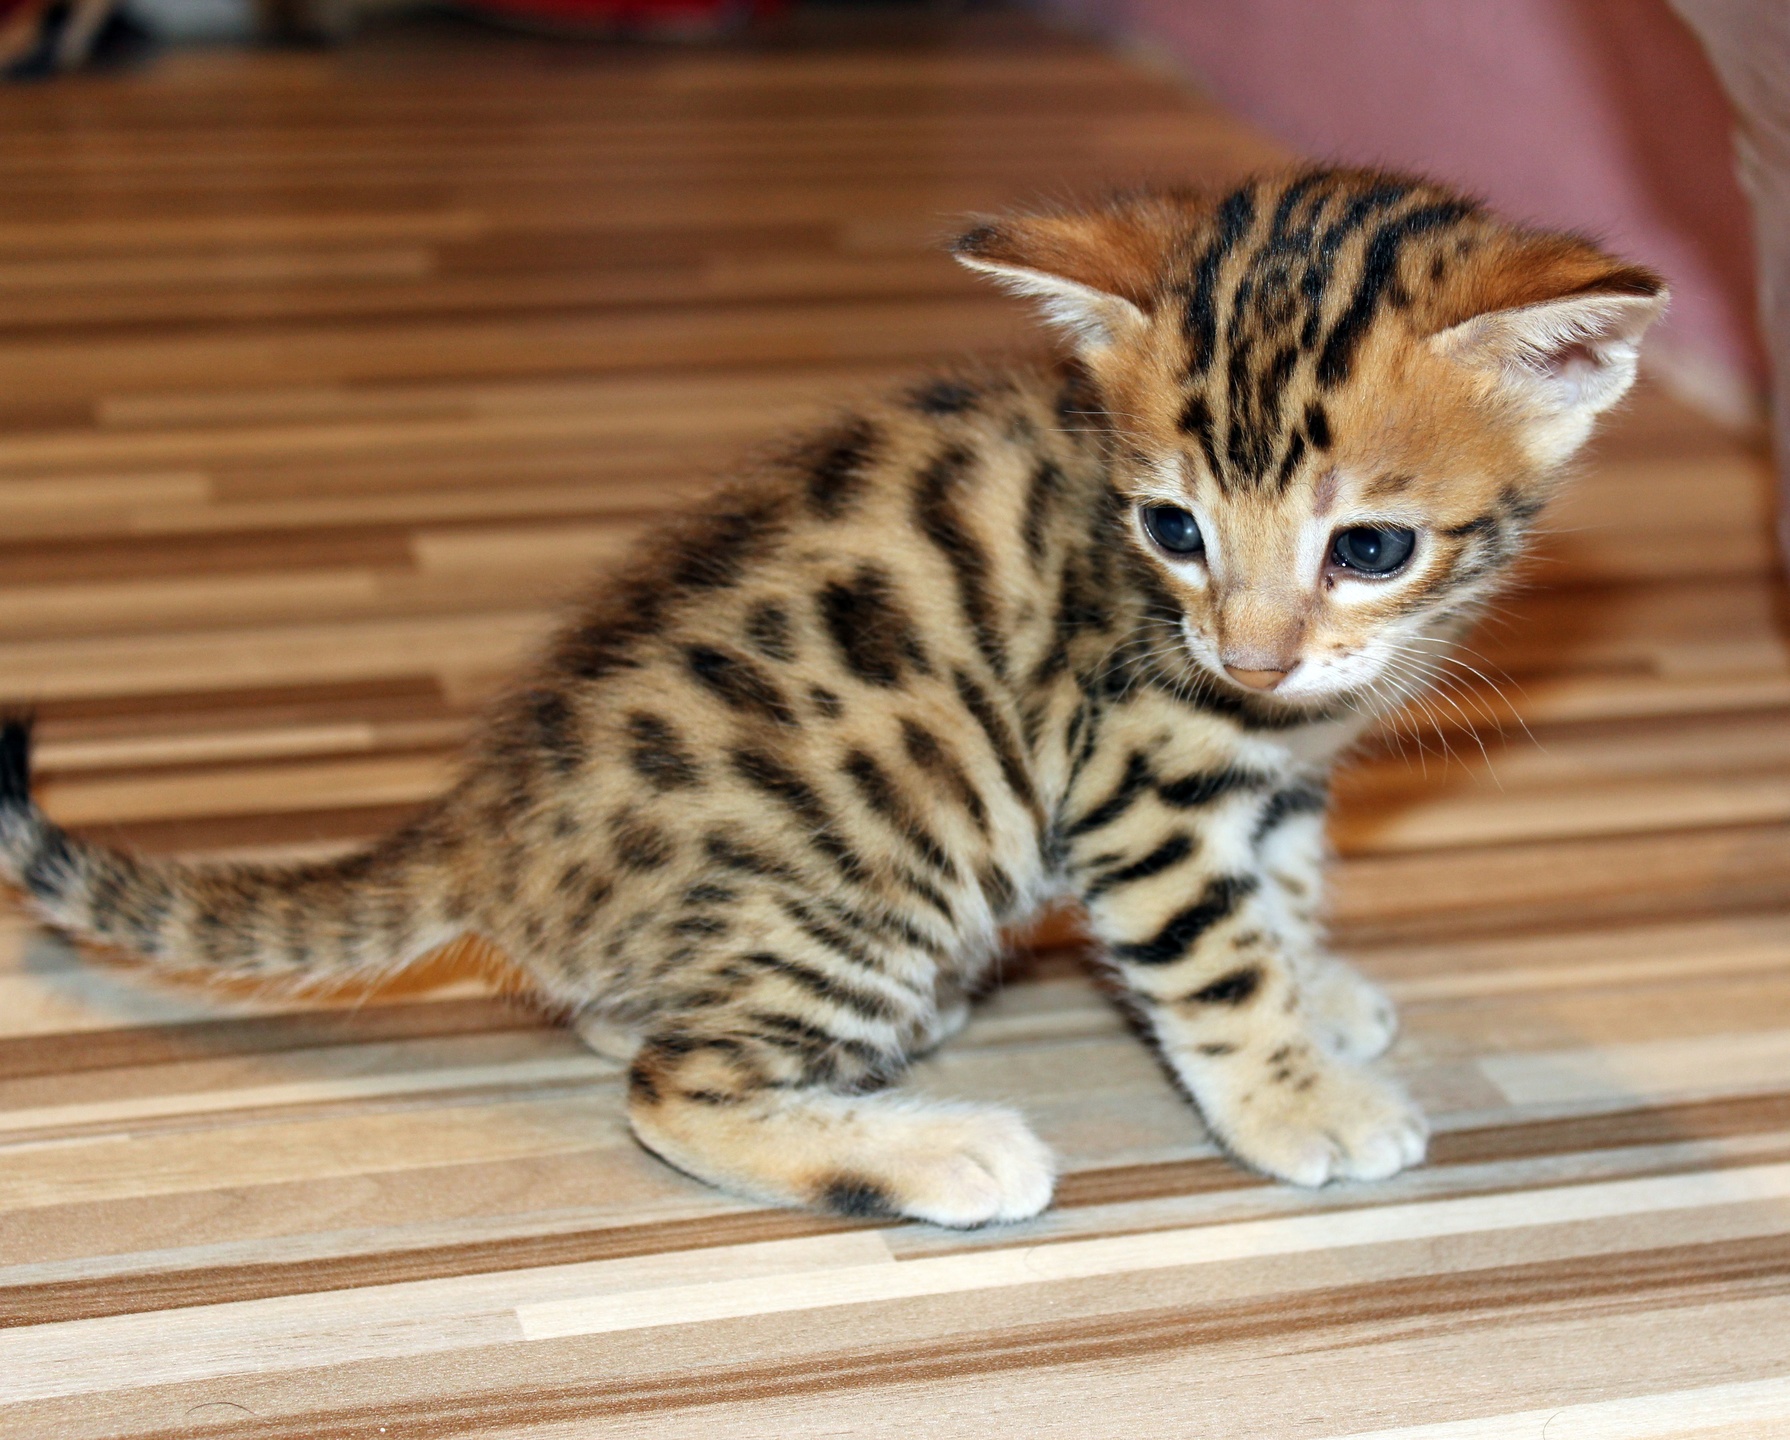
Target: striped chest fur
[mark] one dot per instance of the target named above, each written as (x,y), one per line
(761,810)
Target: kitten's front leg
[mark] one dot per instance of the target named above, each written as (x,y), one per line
(1346,1010)
(1201,950)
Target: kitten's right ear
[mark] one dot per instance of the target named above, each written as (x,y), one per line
(1095,271)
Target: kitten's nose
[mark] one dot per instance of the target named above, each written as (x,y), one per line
(1256,679)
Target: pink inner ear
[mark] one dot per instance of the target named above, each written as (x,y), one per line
(1573,357)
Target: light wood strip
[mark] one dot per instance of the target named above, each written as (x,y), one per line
(1746,1410)
(1123,1255)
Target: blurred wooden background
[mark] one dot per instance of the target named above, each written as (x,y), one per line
(324,377)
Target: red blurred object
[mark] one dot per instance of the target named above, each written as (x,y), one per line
(651,17)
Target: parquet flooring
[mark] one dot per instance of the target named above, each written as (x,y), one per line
(323,376)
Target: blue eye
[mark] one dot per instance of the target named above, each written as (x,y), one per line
(1373,549)
(1173,529)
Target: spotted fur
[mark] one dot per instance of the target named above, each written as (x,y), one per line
(758,814)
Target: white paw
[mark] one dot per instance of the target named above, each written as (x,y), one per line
(1328,1120)
(1345,1011)
(965,1167)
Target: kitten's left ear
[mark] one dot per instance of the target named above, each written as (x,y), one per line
(1563,358)
(1095,271)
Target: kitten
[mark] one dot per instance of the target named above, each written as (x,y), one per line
(766,802)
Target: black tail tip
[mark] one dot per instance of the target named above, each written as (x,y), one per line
(15,762)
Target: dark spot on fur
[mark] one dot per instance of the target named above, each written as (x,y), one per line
(642,1088)
(834,465)
(1232,989)
(875,636)
(769,632)
(639,844)
(942,397)
(861,1199)
(738,683)
(658,754)
(555,730)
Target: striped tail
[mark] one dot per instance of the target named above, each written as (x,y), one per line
(365,915)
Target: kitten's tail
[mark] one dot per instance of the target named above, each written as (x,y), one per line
(361,916)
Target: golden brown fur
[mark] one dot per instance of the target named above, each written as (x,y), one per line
(764,804)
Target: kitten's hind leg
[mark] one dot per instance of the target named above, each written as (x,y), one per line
(702,1105)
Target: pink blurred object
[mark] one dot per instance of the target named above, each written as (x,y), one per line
(1749,43)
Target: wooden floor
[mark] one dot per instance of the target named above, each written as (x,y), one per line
(322,376)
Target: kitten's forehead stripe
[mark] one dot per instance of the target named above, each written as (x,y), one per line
(1290,309)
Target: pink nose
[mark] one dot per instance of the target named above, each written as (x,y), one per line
(1256,679)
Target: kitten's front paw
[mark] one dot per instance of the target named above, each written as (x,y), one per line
(1344,1010)
(965,1167)
(1328,1120)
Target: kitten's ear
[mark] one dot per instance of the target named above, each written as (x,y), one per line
(1095,272)
(1563,344)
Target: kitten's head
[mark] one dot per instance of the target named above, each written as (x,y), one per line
(1338,398)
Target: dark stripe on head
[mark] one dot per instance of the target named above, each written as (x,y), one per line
(1235,215)
(1196,420)
(1289,465)
(1379,270)
(738,683)
(1317,426)
(1217,903)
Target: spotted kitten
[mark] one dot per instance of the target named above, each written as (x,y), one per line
(763,808)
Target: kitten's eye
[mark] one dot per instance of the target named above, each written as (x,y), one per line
(1174,529)
(1373,549)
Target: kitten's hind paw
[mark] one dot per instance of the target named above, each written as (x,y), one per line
(961,1167)
(873,1155)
